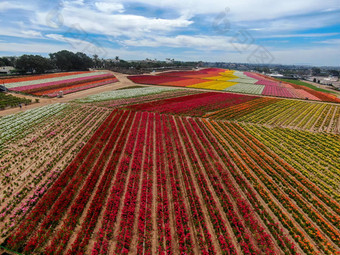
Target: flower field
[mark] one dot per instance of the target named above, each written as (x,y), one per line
(317,117)
(18,125)
(44,144)
(50,84)
(193,105)
(234,81)
(171,171)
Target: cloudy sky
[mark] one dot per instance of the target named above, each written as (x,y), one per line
(257,31)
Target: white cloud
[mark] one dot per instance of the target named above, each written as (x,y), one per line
(26,48)
(62,38)
(81,20)
(19,32)
(106,17)
(80,45)
(95,22)
(312,35)
(108,7)
(204,43)
(290,24)
(317,56)
(46,48)
(6,5)
(79,2)
(32,33)
(313,56)
(245,10)
(331,41)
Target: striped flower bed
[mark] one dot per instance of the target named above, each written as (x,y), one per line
(83,86)
(62,77)
(233,81)
(25,78)
(66,83)
(123,94)
(44,86)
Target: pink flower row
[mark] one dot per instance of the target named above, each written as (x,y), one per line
(277,91)
(69,91)
(41,85)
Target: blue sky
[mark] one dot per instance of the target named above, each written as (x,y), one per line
(257,31)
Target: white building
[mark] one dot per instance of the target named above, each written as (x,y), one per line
(6,69)
(324,80)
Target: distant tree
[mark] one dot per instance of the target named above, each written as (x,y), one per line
(5,61)
(82,61)
(67,60)
(334,72)
(63,59)
(12,61)
(33,63)
(316,71)
(96,61)
(266,70)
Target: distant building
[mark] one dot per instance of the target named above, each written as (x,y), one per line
(281,76)
(336,85)
(276,75)
(6,69)
(323,80)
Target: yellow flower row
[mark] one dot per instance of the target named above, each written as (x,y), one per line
(215,85)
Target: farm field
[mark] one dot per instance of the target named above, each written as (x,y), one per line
(236,81)
(8,100)
(157,170)
(50,84)
(309,116)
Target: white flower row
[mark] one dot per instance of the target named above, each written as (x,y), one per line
(16,124)
(121,94)
(61,78)
(244,78)
(246,88)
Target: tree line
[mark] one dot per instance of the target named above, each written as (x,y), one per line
(68,61)
(63,60)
